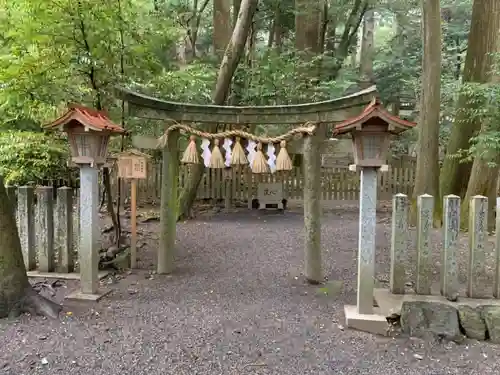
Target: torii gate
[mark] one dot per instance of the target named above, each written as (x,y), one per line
(321,114)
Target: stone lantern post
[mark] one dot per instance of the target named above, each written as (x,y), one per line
(88,134)
(371,132)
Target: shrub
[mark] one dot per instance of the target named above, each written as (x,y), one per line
(28,158)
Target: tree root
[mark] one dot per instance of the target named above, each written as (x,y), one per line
(35,304)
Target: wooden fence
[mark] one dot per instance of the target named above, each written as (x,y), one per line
(336,183)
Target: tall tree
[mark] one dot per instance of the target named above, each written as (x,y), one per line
(16,294)
(222,25)
(307,25)
(485,167)
(232,56)
(367,46)
(483,39)
(427,173)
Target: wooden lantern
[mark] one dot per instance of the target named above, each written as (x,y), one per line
(371,134)
(88,133)
(88,146)
(370,146)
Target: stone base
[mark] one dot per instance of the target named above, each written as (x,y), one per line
(62,276)
(79,296)
(373,323)
(391,303)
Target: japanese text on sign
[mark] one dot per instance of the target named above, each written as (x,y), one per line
(132,167)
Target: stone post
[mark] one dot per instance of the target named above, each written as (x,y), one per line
(399,243)
(26,217)
(168,207)
(312,208)
(425,215)
(64,229)
(451,227)
(12,194)
(76,219)
(478,236)
(366,243)
(45,229)
(496,285)
(89,230)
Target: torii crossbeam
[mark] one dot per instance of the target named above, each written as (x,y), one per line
(322,114)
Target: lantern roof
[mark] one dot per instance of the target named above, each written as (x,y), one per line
(87,117)
(374,110)
(131,152)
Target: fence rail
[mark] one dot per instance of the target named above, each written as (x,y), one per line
(336,183)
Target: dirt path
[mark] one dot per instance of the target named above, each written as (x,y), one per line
(235,305)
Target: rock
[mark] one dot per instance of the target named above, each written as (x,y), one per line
(419,318)
(491,316)
(418,356)
(112,251)
(472,322)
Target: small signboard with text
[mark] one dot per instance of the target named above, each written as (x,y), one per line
(270,193)
(132,165)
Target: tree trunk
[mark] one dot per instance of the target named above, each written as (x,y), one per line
(16,294)
(483,178)
(367,47)
(427,171)
(110,206)
(234,51)
(236,11)
(331,36)
(348,40)
(307,25)
(323,28)
(230,61)
(222,25)
(483,39)
(194,25)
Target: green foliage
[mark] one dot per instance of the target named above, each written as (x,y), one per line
(27,157)
(483,107)
(59,51)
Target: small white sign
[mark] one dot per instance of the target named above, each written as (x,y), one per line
(270,193)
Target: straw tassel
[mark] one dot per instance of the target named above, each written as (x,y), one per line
(259,164)
(283,161)
(238,156)
(190,155)
(216,160)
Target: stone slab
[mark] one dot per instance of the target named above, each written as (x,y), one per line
(391,303)
(62,276)
(79,296)
(375,323)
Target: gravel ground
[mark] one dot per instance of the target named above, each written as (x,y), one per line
(235,305)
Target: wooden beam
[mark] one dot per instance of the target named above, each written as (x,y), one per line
(329,111)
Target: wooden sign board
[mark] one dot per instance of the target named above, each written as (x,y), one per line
(132,167)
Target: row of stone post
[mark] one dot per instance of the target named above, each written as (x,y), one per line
(478,236)
(45,228)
